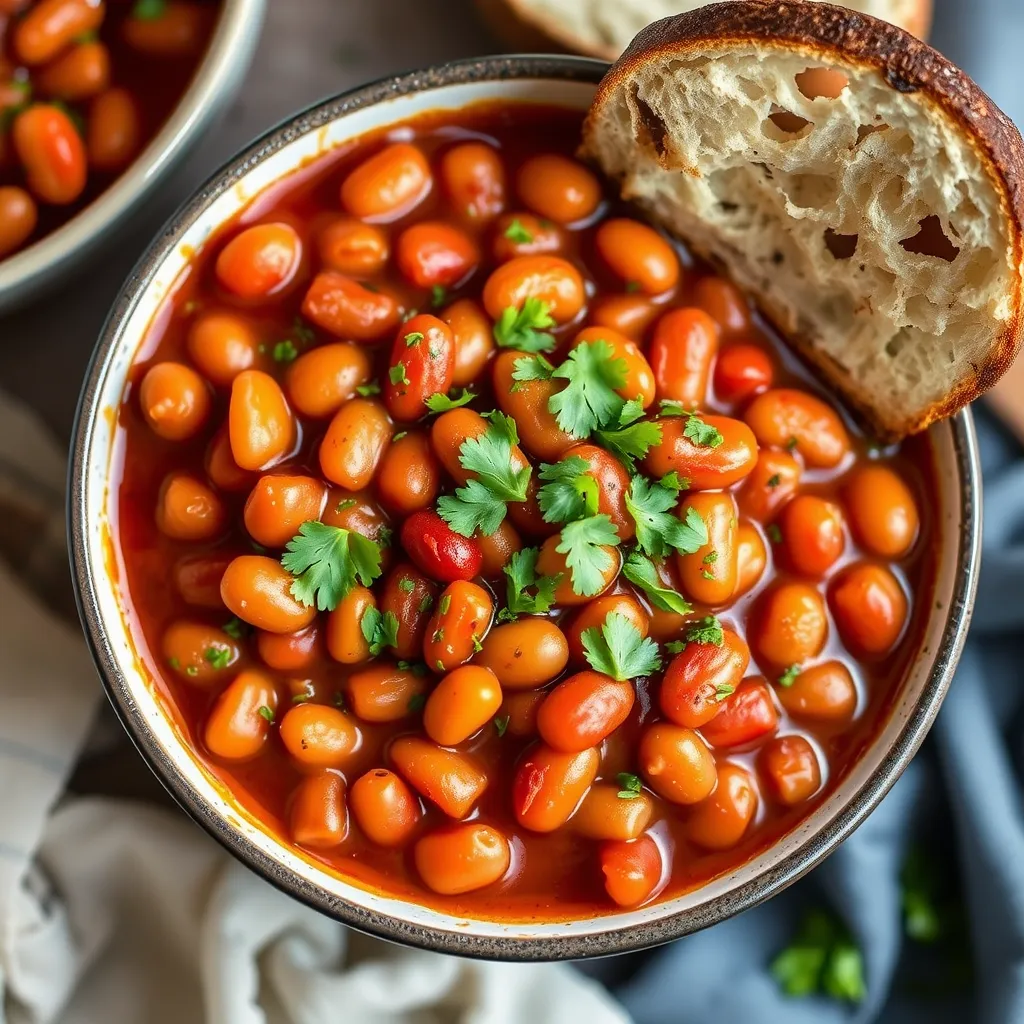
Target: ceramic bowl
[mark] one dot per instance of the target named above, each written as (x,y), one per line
(122,660)
(49,261)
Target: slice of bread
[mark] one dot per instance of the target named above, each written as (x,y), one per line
(603,28)
(880,229)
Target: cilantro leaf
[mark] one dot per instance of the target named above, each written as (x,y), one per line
(473,507)
(822,958)
(919,892)
(524,328)
(443,403)
(640,571)
(531,368)
(266,713)
(413,338)
(706,631)
(589,400)
(521,571)
(774,533)
(631,411)
(373,388)
(489,457)
(631,784)
(515,232)
(723,690)
(236,628)
(658,529)
(630,443)
(326,562)
(438,296)
(379,630)
(570,492)
(397,374)
(618,650)
(217,656)
(285,351)
(583,543)
(789,676)
(501,724)
(701,433)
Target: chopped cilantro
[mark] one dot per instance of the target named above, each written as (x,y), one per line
(301,698)
(791,444)
(774,533)
(723,690)
(345,503)
(445,604)
(534,367)
(789,676)
(438,296)
(413,338)
(518,234)
(443,403)
(640,571)
(821,959)
(919,892)
(618,650)
(426,603)
(406,585)
(707,631)
(399,436)
(570,491)
(631,785)
(397,374)
(285,351)
(589,400)
(583,543)
(235,628)
(217,657)
(191,670)
(266,713)
(501,724)
(149,10)
(521,571)
(326,562)
(774,481)
(417,702)
(632,440)
(372,388)
(525,328)
(379,630)
(702,434)
(632,286)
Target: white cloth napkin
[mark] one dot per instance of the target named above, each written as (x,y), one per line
(113,912)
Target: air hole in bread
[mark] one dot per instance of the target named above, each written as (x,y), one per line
(751,90)
(931,240)
(842,247)
(895,344)
(810,191)
(784,126)
(652,126)
(827,82)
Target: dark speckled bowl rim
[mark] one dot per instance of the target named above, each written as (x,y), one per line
(515,948)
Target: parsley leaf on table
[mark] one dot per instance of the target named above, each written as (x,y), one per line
(443,403)
(525,328)
(521,571)
(640,571)
(327,561)
(659,530)
(379,629)
(570,491)
(822,958)
(583,543)
(589,400)
(617,649)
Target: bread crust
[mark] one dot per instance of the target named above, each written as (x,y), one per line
(842,37)
(525,30)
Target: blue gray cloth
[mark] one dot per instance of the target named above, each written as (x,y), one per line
(960,800)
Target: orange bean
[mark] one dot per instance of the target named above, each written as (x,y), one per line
(323,379)
(388,184)
(721,821)
(462,858)
(181,29)
(113,134)
(605,815)
(883,512)
(791,768)
(549,785)
(199,654)
(349,310)
(222,345)
(384,808)
(822,693)
(519,711)
(772,482)
(77,74)
(383,692)
(558,188)
(435,254)
(278,505)
(870,609)
(51,152)
(320,737)
(682,350)
(260,261)
(474,342)
(318,817)
(344,631)
(187,509)
(290,652)
(710,574)
(551,562)
(790,625)
(583,710)
(594,615)
(638,254)
(813,535)
(221,467)
(353,248)
(700,677)
(260,424)
(421,365)
(497,548)
(197,580)
(744,717)
(677,764)
(631,871)
(525,654)
(474,178)
(52,25)
(523,234)
(796,420)
(461,704)
(357,513)
(639,377)
(742,371)
(527,403)
(724,303)
(18,217)
(458,625)
(239,723)
(550,279)
(706,467)
(630,315)
(174,400)
(409,596)
(410,475)
(355,442)
(258,590)
(452,781)
(751,558)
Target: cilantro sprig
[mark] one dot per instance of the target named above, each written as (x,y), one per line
(589,400)
(527,594)
(640,571)
(822,958)
(327,562)
(617,649)
(584,544)
(444,403)
(380,630)
(569,492)
(659,530)
(526,328)
(633,438)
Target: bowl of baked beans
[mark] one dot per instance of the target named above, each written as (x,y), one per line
(98,101)
(476,564)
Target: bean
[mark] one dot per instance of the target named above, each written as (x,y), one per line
(181,29)
(452,781)
(77,74)
(113,133)
(349,310)
(474,342)
(461,704)
(883,511)
(353,248)
(354,445)
(549,785)
(51,153)
(791,769)
(260,261)
(751,558)
(260,423)
(197,579)
(525,654)
(474,179)
(706,467)
(812,534)
(790,624)
(221,467)
(612,486)
(320,737)
(583,710)
(384,692)
(239,723)
(318,817)
(290,652)
(384,808)
(323,379)
(388,184)
(741,372)
(18,217)
(676,763)
(174,400)
(631,871)
(744,717)
(551,562)
(440,552)
(594,615)
(821,693)
(549,279)
(709,575)
(721,821)
(410,475)
(787,418)
(357,513)
(638,254)
(639,377)
(422,364)
(700,677)
(523,234)
(278,505)
(462,859)
(527,403)
(497,548)
(223,345)
(682,350)
(52,25)
(199,654)
(558,188)
(433,254)
(771,483)
(519,711)
(457,627)
(409,596)
(187,509)
(604,815)
(258,590)
(870,609)
(345,640)
(630,315)
(724,303)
